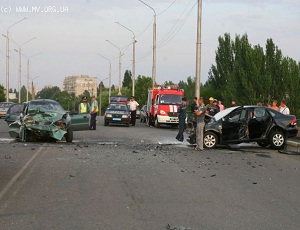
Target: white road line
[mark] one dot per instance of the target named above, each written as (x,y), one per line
(13,180)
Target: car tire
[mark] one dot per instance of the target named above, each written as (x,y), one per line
(69,135)
(157,124)
(277,140)
(263,143)
(210,140)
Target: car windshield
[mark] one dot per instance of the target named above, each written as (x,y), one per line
(224,113)
(45,106)
(169,99)
(5,105)
(117,107)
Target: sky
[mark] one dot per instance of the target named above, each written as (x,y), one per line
(69,40)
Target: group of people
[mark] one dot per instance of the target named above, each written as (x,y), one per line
(199,109)
(86,107)
(92,109)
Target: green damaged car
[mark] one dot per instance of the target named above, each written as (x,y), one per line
(44,120)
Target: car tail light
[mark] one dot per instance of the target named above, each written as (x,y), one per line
(294,121)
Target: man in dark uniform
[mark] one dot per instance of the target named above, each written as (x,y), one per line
(194,106)
(182,117)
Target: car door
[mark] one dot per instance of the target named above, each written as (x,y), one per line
(234,125)
(259,123)
(12,119)
(80,122)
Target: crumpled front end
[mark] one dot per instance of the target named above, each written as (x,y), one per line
(42,126)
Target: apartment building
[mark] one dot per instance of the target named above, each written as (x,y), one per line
(78,84)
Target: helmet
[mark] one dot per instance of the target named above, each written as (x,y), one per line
(211,99)
(215,100)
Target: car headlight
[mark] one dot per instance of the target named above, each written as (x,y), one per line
(162,112)
(108,115)
(124,116)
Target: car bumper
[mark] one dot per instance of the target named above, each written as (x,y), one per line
(292,131)
(167,119)
(117,120)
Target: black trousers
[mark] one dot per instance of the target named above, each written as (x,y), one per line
(181,126)
(133,117)
(93,121)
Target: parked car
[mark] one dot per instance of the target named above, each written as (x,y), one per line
(143,114)
(117,113)
(4,106)
(44,119)
(242,124)
(138,113)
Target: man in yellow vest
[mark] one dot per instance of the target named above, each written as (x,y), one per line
(94,111)
(84,106)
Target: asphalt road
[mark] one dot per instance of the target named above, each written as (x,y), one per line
(142,178)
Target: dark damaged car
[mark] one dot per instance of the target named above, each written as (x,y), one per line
(242,124)
(44,120)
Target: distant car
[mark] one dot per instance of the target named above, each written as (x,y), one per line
(242,124)
(117,113)
(138,113)
(143,114)
(4,106)
(44,119)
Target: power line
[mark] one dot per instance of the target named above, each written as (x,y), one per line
(167,7)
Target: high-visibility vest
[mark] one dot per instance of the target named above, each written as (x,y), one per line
(93,105)
(83,108)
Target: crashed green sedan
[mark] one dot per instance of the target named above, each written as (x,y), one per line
(43,120)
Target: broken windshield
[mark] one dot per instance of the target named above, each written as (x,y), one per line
(45,106)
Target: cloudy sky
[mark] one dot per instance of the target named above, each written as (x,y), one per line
(70,40)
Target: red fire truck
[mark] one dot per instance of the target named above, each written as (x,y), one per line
(163,102)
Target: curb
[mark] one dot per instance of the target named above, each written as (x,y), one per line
(292,146)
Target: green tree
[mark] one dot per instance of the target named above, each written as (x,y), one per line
(127,80)
(143,83)
(2,94)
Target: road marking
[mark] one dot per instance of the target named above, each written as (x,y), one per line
(13,180)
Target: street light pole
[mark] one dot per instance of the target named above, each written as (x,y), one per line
(20,67)
(198,51)
(154,45)
(120,65)
(32,87)
(7,58)
(100,95)
(109,77)
(133,58)
(27,93)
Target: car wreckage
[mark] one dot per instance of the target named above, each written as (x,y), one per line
(44,120)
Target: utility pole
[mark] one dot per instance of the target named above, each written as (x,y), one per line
(109,77)
(198,51)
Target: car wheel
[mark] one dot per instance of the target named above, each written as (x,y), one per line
(210,140)
(263,143)
(277,140)
(157,124)
(69,135)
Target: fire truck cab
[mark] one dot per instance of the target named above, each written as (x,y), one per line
(162,105)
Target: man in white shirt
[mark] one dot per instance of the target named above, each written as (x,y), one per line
(133,106)
(283,108)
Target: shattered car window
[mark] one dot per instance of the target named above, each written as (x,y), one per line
(43,106)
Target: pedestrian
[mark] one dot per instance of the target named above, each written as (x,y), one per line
(200,112)
(133,106)
(283,108)
(221,106)
(213,109)
(194,106)
(274,105)
(233,103)
(210,101)
(84,106)
(94,111)
(182,116)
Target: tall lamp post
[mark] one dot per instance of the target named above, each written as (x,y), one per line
(133,58)
(32,87)
(27,93)
(20,66)
(198,51)
(154,45)
(100,95)
(120,65)
(7,58)
(109,77)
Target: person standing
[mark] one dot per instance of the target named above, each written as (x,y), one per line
(182,116)
(283,108)
(84,106)
(133,106)
(274,105)
(200,112)
(221,106)
(94,111)
(213,109)
(233,103)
